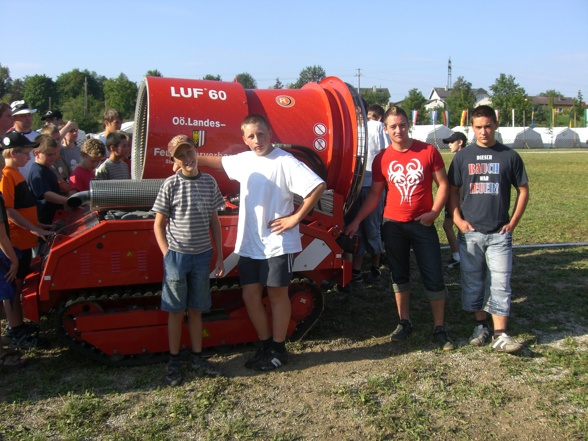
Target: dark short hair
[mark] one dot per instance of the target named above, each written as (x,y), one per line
(484,111)
(114,139)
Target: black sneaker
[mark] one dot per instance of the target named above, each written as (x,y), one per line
(374,276)
(24,340)
(256,358)
(453,264)
(271,360)
(443,339)
(357,278)
(402,331)
(173,373)
(203,367)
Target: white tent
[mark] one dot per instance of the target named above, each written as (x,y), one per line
(565,138)
(520,137)
(431,134)
(582,133)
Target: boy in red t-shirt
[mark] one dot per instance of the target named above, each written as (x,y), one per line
(92,152)
(408,168)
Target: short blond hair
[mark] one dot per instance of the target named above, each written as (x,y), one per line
(93,147)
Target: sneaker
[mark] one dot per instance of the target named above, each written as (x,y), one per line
(503,343)
(357,278)
(203,367)
(480,336)
(256,358)
(453,264)
(271,360)
(402,331)
(25,340)
(173,373)
(443,339)
(374,276)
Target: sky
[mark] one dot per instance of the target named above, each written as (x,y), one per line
(399,45)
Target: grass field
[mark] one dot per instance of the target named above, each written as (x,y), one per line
(346,381)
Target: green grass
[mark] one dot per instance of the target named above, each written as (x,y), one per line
(346,380)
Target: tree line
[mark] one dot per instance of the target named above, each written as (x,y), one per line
(506,95)
(83,96)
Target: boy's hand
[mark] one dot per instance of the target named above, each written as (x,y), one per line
(219,268)
(282,224)
(11,273)
(40,232)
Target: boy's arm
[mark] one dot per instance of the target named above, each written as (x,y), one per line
(23,222)
(54,198)
(369,204)
(159,230)
(8,250)
(519,208)
(217,240)
(286,223)
(440,178)
(210,161)
(66,128)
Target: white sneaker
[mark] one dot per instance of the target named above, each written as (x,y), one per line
(503,343)
(480,336)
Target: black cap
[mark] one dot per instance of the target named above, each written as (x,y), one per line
(15,139)
(456,136)
(52,114)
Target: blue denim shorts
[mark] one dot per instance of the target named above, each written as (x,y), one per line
(486,267)
(186,283)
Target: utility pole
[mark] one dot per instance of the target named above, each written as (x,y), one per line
(358,75)
(449,82)
(85,97)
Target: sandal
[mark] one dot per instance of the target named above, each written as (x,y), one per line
(10,360)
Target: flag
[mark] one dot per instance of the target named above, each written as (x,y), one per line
(533,119)
(433,117)
(446,118)
(497,115)
(570,124)
(463,117)
(513,119)
(586,117)
(552,117)
(415,114)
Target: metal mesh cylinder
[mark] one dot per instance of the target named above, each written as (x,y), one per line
(124,193)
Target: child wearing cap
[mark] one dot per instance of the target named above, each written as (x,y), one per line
(24,232)
(456,142)
(114,167)
(92,152)
(186,210)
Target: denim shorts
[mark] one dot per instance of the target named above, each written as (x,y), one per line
(186,283)
(486,267)
(398,239)
(275,271)
(370,239)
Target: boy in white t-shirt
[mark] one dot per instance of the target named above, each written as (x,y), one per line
(267,233)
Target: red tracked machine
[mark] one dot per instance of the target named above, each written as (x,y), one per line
(101,272)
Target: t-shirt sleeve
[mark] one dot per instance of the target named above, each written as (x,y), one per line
(38,184)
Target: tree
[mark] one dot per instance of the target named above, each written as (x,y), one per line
(73,84)
(310,74)
(552,94)
(381,97)
(17,90)
(211,77)
(5,81)
(459,99)
(416,101)
(91,120)
(121,94)
(509,95)
(246,80)
(578,108)
(153,73)
(278,84)
(40,93)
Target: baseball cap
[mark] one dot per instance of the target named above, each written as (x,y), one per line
(456,136)
(52,114)
(20,108)
(15,139)
(177,141)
